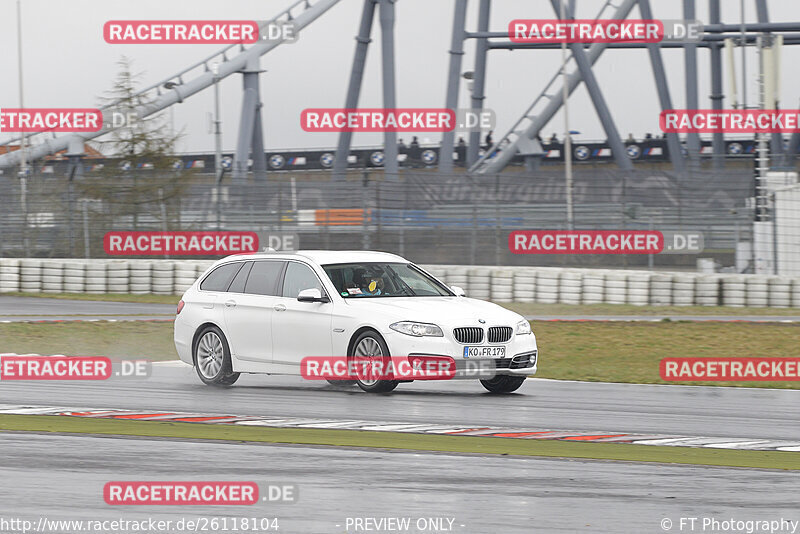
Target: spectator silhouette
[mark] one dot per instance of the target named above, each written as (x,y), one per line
(461,151)
(414,152)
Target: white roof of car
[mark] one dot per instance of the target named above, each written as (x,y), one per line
(324,257)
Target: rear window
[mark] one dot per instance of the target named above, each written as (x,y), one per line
(237,286)
(263,279)
(220,278)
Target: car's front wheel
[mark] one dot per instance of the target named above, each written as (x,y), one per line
(212,358)
(370,348)
(503,383)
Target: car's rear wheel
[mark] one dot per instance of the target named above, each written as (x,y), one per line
(370,348)
(503,383)
(212,358)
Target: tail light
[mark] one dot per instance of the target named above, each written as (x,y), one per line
(181,304)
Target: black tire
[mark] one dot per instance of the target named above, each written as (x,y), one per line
(214,367)
(342,383)
(371,337)
(503,383)
(229,380)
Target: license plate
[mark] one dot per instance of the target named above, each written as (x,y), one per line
(484,352)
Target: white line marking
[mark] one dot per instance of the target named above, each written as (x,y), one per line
(416,428)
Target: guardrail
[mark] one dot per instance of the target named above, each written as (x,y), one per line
(500,284)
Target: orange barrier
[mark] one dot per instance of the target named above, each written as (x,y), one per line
(340,217)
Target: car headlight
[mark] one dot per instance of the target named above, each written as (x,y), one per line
(416,329)
(523,327)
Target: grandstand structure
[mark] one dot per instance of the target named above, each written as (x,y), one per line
(520,142)
(522,137)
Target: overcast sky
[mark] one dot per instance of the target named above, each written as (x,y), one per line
(67,63)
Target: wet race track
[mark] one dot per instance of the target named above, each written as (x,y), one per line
(64,474)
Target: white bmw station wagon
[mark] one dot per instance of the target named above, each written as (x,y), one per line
(267,312)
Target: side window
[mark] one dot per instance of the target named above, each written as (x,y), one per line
(237,286)
(299,277)
(220,278)
(263,279)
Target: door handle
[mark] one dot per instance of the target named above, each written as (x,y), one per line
(279,307)
(230,303)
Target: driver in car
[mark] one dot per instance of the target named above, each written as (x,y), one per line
(369,284)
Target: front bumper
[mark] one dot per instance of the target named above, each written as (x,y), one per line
(521,357)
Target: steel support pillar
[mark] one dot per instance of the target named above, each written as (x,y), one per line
(585,68)
(386,16)
(453,81)
(673,143)
(692,101)
(791,153)
(776,141)
(354,87)
(251,136)
(479,78)
(718,139)
(554,103)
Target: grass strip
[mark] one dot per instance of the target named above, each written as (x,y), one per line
(587,351)
(418,442)
(148,340)
(631,352)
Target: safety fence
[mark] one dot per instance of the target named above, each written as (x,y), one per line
(456,219)
(427,217)
(500,284)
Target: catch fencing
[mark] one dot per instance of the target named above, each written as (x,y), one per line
(429,218)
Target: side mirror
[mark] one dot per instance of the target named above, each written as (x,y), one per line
(312,295)
(458,291)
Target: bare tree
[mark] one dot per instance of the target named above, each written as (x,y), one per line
(140,188)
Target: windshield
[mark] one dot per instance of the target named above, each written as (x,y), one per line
(364,280)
